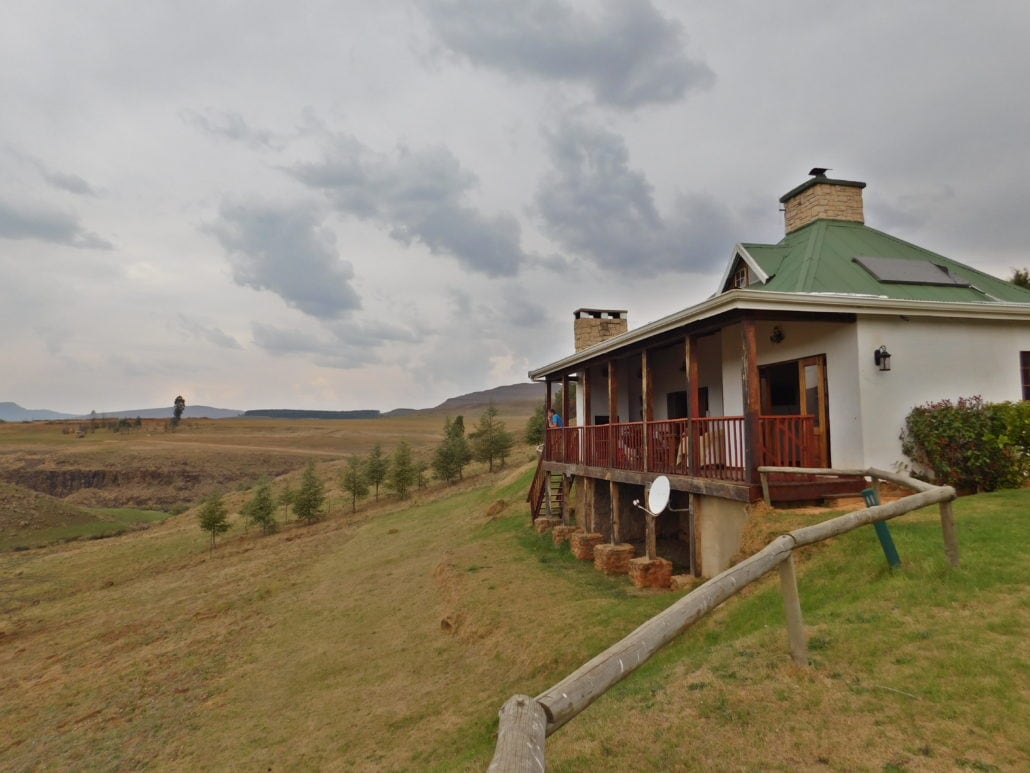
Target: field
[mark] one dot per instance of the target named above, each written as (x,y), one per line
(387,639)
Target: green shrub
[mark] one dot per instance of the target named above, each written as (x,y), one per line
(970,444)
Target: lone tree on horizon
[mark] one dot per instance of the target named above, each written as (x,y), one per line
(180,406)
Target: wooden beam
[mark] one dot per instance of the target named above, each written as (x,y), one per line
(792,608)
(752,397)
(616,501)
(565,400)
(613,407)
(693,379)
(645,388)
(587,407)
(738,492)
(521,735)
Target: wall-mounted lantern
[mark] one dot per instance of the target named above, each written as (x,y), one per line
(777,334)
(882,358)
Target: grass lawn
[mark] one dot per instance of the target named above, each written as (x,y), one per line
(388,640)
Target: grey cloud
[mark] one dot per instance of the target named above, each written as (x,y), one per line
(71,183)
(20,222)
(348,345)
(285,250)
(417,196)
(208,333)
(628,54)
(599,208)
(231,126)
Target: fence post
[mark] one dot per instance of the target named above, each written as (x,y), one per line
(792,606)
(872,498)
(948,528)
(521,734)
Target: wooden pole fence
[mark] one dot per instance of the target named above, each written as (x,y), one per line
(525,722)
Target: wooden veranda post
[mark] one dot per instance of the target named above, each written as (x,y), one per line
(613,409)
(648,412)
(565,400)
(752,398)
(588,412)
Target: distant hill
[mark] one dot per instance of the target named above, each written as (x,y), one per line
(528,394)
(191,412)
(14,412)
(525,395)
(286,413)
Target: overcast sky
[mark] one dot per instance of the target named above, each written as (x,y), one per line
(347,205)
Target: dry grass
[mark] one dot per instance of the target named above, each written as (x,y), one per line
(387,640)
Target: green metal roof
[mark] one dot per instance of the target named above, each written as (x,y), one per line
(819,258)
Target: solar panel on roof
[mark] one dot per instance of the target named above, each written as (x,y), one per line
(910,272)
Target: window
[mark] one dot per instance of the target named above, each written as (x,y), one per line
(740,276)
(1024,367)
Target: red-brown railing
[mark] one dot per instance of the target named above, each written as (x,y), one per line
(788,441)
(706,448)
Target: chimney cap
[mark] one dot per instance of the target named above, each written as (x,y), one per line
(584,313)
(818,180)
(819,171)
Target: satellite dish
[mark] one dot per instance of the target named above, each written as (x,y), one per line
(658,497)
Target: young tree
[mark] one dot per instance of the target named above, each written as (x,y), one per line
(491,440)
(461,449)
(179,407)
(214,517)
(286,498)
(535,426)
(421,468)
(354,482)
(402,470)
(376,468)
(453,453)
(310,497)
(261,509)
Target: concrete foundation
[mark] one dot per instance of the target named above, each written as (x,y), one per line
(720,526)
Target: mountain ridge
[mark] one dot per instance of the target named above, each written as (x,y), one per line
(526,392)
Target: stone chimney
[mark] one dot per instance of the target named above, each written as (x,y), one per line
(822,198)
(592,326)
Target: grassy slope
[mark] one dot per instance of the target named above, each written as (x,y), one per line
(390,643)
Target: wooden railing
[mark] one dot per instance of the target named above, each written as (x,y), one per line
(538,488)
(706,448)
(526,722)
(788,441)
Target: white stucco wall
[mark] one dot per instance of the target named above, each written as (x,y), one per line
(932,359)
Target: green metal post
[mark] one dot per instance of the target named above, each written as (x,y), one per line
(882,532)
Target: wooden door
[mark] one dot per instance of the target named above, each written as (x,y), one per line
(812,388)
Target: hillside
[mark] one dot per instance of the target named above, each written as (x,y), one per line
(388,639)
(526,395)
(23,510)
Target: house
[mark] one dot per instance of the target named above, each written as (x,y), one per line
(811,354)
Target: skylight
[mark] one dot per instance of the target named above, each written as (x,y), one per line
(909,272)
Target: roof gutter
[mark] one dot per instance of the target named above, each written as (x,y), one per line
(763,300)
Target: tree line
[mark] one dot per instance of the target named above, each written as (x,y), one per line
(489,443)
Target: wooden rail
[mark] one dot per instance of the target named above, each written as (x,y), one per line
(712,447)
(520,727)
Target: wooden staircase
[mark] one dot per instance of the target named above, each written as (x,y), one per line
(546,493)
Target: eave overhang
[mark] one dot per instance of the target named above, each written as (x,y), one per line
(765,301)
